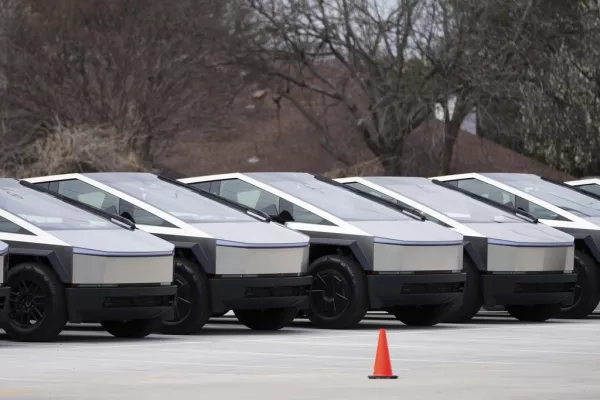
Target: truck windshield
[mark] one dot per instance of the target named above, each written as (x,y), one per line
(47,212)
(175,200)
(568,199)
(457,206)
(337,201)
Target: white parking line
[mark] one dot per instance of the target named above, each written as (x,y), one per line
(310,356)
(32,380)
(449,347)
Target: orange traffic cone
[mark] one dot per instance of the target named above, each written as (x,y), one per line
(383,364)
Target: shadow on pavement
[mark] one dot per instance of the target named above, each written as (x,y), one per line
(510,321)
(225,326)
(229,325)
(101,337)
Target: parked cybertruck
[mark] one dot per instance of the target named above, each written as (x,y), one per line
(66,264)
(363,255)
(555,204)
(510,260)
(227,256)
(4,289)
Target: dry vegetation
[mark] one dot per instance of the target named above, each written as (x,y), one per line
(144,70)
(68,150)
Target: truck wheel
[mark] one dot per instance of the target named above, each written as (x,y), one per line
(192,300)
(37,308)
(426,315)
(267,320)
(338,298)
(472,298)
(587,290)
(138,328)
(535,313)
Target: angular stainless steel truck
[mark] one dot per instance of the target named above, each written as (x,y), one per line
(66,264)
(363,255)
(555,204)
(510,259)
(228,257)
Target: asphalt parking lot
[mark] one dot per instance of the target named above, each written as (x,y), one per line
(493,357)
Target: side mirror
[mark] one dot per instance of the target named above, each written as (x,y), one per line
(278,219)
(128,216)
(286,216)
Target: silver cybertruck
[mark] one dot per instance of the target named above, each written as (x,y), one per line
(66,264)
(555,204)
(4,290)
(510,259)
(363,255)
(228,257)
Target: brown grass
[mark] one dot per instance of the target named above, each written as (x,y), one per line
(80,149)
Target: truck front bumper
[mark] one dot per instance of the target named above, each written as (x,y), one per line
(388,290)
(258,293)
(97,304)
(528,289)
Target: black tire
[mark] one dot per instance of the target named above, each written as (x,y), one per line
(587,291)
(534,313)
(37,295)
(192,301)
(267,320)
(425,315)
(138,328)
(337,278)
(472,298)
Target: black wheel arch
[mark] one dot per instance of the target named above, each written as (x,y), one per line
(588,244)
(349,248)
(471,252)
(64,271)
(195,253)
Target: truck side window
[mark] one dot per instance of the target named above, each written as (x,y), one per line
(7,226)
(98,198)
(503,197)
(260,199)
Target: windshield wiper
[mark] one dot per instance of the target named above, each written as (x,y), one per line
(116,219)
(411,212)
(515,211)
(256,214)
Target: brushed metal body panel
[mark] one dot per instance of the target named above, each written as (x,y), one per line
(530,259)
(400,258)
(90,269)
(257,261)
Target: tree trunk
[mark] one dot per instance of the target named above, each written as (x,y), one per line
(391,162)
(451,130)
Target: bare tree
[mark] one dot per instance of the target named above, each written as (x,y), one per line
(482,57)
(387,64)
(552,110)
(146,68)
(356,56)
